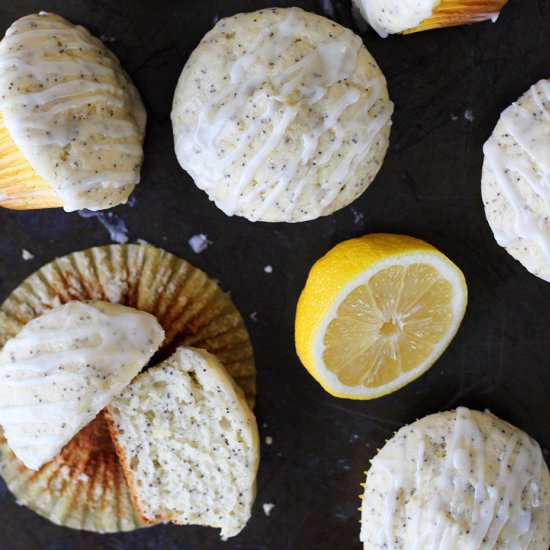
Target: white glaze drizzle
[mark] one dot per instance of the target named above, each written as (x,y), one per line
(71,110)
(531,133)
(302,84)
(62,368)
(489,511)
(393,16)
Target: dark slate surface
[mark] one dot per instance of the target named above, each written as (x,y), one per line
(449,87)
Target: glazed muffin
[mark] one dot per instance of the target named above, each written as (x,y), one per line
(462,480)
(84,486)
(71,121)
(409,16)
(64,367)
(514,182)
(281,115)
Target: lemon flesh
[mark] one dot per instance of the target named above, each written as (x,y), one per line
(388,326)
(376,313)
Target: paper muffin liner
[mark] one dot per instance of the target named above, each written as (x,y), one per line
(450,13)
(84,487)
(21,188)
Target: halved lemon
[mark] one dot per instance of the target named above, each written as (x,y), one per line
(376,312)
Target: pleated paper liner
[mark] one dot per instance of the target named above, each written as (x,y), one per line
(450,13)
(84,487)
(21,188)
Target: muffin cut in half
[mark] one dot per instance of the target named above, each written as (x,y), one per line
(188,443)
(84,486)
(457,480)
(405,16)
(71,121)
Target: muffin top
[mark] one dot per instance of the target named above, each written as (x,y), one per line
(71,110)
(281,115)
(462,479)
(515,180)
(63,367)
(393,16)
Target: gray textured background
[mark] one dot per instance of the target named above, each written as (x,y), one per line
(449,87)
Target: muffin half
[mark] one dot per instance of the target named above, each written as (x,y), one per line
(188,443)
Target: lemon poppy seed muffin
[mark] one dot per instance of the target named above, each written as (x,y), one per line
(408,16)
(462,479)
(281,115)
(84,486)
(515,180)
(71,121)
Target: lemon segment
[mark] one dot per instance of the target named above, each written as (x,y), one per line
(376,312)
